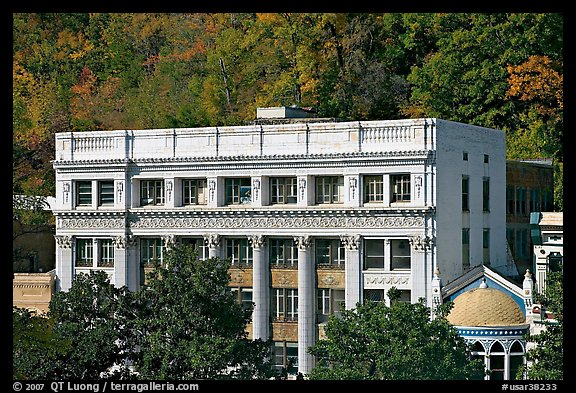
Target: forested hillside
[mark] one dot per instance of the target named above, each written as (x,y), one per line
(79,72)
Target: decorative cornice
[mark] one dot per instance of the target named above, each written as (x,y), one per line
(252,161)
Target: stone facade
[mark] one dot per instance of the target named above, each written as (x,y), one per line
(312,214)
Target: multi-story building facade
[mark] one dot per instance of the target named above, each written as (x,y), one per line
(314,215)
(529,188)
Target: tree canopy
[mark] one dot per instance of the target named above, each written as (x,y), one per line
(396,342)
(107,71)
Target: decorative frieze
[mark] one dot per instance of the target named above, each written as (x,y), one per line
(91,222)
(240,277)
(284,278)
(379,279)
(330,279)
(326,220)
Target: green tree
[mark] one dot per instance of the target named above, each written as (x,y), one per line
(94,317)
(190,327)
(400,342)
(545,359)
(36,347)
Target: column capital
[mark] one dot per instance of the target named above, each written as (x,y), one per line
(212,240)
(303,242)
(120,242)
(350,242)
(422,243)
(63,241)
(257,241)
(169,241)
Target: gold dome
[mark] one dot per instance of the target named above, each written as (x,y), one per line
(485,307)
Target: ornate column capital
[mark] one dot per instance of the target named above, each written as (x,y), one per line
(63,241)
(120,242)
(350,242)
(257,241)
(212,240)
(422,243)
(169,241)
(303,242)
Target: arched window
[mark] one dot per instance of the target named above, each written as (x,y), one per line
(497,361)
(478,352)
(516,360)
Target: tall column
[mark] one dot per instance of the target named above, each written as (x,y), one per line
(353,270)
(419,276)
(132,262)
(64,262)
(260,289)
(306,302)
(213,242)
(120,262)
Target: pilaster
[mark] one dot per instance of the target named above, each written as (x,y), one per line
(306,304)
(353,270)
(260,289)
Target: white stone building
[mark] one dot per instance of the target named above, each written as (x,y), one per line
(316,213)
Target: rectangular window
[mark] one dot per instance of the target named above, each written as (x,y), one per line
(285,356)
(466,248)
(84,252)
(329,302)
(521,201)
(106,253)
(465,155)
(151,192)
(194,191)
(284,304)
(486,194)
(486,158)
(373,189)
(486,246)
(374,295)
(521,243)
(405,296)
(374,253)
(283,190)
(400,255)
(199,245)
(511,239)
(243,296)
(330,253)
(509,200)
(151,252)
(330,189)
(535,200)
(238,191)
(465,193)
(105,193)
(283,253)
(239,252)
(400,186)
(83,193)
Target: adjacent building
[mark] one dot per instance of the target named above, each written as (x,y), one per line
(314,214)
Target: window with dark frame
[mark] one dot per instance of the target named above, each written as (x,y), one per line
(105,193)
(283,190)
(151,192)
(329,189)
(283,253)
(83,193)
(373,189)
(194,192)
(238,191)
(330,253)
(465,193)
(284,304)
(400,185)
